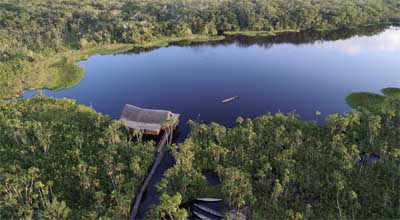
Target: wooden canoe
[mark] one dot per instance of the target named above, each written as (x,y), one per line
(201,216)
(230,99)
(208,210)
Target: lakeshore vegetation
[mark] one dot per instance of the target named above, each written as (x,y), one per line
(60,160)
(41,40)
(281,167)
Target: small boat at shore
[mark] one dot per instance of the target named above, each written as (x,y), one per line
(230,99)
(208,210)
(201,216)
(209,199)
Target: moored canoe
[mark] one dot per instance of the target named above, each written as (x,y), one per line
(201,216)
(208,210)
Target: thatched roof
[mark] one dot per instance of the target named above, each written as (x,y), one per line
(149,121)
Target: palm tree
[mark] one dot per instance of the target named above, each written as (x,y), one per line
(169,126)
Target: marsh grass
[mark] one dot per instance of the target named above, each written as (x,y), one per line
(370,101)
(392,92)
(58,70)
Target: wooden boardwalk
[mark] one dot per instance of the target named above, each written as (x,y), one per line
(157,161)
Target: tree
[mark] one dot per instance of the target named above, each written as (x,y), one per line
(60,160)
(169,126)
(168,208)
(237,187)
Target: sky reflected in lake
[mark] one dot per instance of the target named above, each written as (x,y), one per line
(296,72)
(386,42)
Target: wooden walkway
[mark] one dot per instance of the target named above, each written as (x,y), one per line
(159,156)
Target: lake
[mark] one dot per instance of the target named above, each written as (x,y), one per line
(299,73)
(296,72)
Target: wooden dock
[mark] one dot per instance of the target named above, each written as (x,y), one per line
(150,122)
(156,163)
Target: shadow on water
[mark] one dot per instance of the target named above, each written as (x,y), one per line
(291,72)
(212,177)
(202,206)
(306,37)
(295,38)
(151,196)
(193,206)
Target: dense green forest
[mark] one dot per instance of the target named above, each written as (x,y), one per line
(284,168)
(38,39)
(40,25)
(61,161)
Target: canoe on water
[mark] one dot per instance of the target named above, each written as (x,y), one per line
(201,216)
(230,99)
(209,199)
(208,210)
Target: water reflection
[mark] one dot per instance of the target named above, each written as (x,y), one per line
(386,42)
(297,38)
(349,41)
(293,72)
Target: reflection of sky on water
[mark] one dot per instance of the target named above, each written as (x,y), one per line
(285,74)
(385,42)
(289,73)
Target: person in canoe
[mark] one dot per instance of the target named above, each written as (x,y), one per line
(230,99)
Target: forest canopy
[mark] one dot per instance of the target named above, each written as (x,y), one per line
(281,167)
(61,161)
(40,25)
(41,40)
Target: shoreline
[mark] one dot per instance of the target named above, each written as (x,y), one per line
(59,70)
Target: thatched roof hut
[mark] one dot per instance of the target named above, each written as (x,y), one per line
(149,121)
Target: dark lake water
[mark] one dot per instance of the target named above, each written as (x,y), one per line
(301,73)
(294,72)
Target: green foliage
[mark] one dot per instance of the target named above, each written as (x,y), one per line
(236,187)
(285,168)
(394,92)
(53,71)
(372,102)
(60,160)
(65,74)
(365,100)
(183,177)
(40,25)
(34,35)
(168,208)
